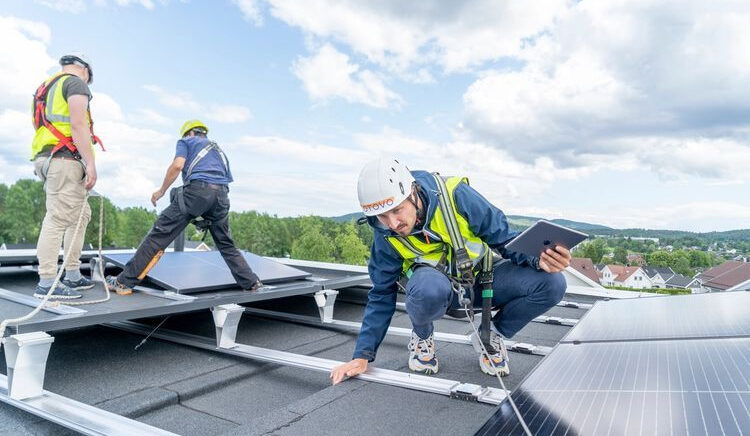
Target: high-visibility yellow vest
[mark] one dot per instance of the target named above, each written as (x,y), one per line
(435,253)
(57,113)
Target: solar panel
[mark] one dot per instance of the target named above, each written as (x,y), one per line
(195,271)
(685,316)
(696,387)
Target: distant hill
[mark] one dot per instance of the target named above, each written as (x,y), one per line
(520,222)
(348,217)
(526,221)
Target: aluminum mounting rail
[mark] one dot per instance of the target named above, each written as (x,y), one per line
(451,388)
(78,416)
(28,300)
(519,347)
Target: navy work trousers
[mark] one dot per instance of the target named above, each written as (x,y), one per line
(201,199)
(521,293)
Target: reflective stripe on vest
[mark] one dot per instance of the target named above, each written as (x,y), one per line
(439,253)
(57,112)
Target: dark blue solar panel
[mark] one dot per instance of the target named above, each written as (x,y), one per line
(195,271)
(686,316)
(696,387)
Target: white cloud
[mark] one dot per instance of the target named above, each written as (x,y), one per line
(228,113)
(186,104)
(174,99)
(653,83)
(150,116)
(404,36)
(25,61)
(329,74)
(250,10)
(72,6)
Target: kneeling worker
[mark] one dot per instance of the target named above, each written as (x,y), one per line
(205,176)
(414,214)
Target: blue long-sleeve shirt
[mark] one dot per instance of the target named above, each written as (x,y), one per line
(485,221)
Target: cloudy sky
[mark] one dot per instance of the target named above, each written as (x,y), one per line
(625,113)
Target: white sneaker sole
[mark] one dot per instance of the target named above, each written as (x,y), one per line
(427,370)
(487,370)
(59,297)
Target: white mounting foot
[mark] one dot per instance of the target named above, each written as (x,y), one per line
(26,358)
(325,300)
(226,319)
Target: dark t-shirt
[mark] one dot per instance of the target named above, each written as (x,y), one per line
(73,85)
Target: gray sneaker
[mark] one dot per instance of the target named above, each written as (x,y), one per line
(79,285)
(61,292)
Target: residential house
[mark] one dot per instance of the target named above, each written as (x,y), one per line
(636,259)
(729,276)
(628,276)
(586,267)
(659,275)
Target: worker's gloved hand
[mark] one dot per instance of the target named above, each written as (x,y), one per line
(350,369)
(555,260)
(257,285)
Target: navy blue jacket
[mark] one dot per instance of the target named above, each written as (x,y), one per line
(385,266)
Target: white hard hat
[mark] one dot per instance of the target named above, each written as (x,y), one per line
(383,184)
(80,59)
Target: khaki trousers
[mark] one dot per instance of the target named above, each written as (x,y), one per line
(66,194)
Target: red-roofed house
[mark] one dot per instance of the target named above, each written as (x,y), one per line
(585,266)
(729,276)
(628,276)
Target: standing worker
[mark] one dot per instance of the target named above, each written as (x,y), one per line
(436,231)
(205,177)
(64,160)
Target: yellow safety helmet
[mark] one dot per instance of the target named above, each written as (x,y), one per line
(190,125)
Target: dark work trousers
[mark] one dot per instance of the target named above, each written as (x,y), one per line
(202,199)
(521,293)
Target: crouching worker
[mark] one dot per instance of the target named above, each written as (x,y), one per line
(206,177)
(435,230)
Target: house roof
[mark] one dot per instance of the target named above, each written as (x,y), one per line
(585,266)
(679,281)
(622,272)
(196,392)
(726,275)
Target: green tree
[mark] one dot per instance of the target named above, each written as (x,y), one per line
(621,256)
(111,221)
(24,211)
(349,247)
(313,244)
(594,250)
(659,258)
(134,222)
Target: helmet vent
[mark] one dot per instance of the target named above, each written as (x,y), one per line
(401,185)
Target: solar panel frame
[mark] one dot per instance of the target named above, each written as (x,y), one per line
(197,271)
(671,317)
(693,386)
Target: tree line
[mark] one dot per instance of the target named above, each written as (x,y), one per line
(22,210)
(683,262)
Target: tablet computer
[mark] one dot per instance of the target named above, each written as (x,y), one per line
(543,235)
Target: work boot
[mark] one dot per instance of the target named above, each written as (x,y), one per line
(499,357)
(61,292)
(422,354)
(113,285)
(78,285)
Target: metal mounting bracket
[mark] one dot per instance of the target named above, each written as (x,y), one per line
(26,359)
(325,300)
(226,319)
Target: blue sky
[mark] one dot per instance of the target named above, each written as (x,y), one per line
(629,115)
